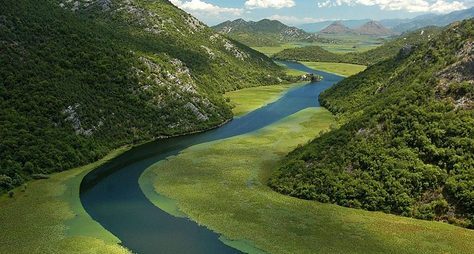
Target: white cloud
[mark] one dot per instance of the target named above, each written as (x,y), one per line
(440,6)
(294,20)
(199,7)
(278,4)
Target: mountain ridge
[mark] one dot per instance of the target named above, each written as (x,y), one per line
(264,32)
(337,27)
(400,25)
(86,77)
(373,28)
(404,145)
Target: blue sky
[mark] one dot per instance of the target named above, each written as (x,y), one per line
(307,11)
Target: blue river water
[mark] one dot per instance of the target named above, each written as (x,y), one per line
(112,196)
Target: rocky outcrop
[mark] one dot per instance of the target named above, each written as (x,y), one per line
(459,74)
(72,116)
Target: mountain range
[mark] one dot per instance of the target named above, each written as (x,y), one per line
(85,77)
(398,25)
(371,28)
(264,32)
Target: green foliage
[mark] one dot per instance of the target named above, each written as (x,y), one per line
(221,185)
(75,84)
(266,33)
(308,54)
(342,69)
(48,217)
(406,140)
(384,52)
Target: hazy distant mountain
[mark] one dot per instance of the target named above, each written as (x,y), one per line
(390,23)
(374,28)
(264,32)
(398,25)
(336,28)
(434,20)
(318,26)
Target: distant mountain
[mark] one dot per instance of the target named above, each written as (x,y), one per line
(264,32)
(390,23)
(434,20)
(374,28)
(318,26)
(336,28)
(398,25)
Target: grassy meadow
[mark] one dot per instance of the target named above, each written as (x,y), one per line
(46,216)
(345,44)
(271,50)
(223,185)
(342,69)
(248,99)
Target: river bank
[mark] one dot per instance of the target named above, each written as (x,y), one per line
(222,185)
(46,216)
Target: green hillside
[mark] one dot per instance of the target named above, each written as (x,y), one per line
(79,78)
(386,51)
(266,33)
(308,54)
(406,140)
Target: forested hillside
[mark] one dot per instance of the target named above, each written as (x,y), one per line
(79,78)
(386,51)
(406,140)
(265,33)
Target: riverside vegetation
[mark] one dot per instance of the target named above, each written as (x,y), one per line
(222,185)
(59,223)
(406,141)
(80,78)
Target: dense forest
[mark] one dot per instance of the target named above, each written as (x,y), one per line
(405,144)
(79,78)
(384,52)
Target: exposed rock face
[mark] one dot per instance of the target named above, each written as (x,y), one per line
(194,24)
(105,5)
(72,117)
(209,51)
(460,72)
(405,51)
(199,115)
(229,46)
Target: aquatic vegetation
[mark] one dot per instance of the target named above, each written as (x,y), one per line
(222,185)
(342,69)
(46,216)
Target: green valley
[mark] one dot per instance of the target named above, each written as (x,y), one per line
(372,56)
(225,189)
(405,141)
(229,127)
(83,79)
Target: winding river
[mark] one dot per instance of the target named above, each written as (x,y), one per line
(111,194)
